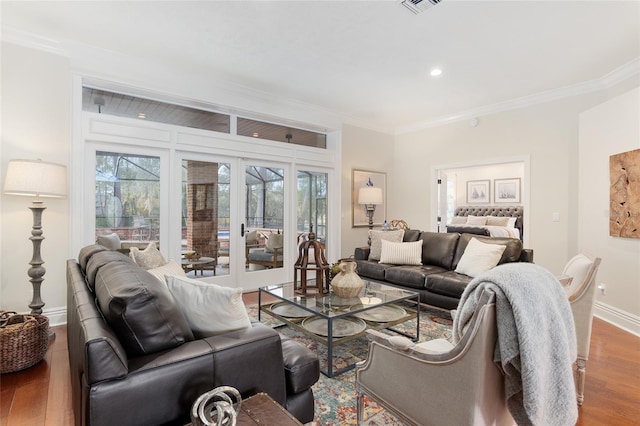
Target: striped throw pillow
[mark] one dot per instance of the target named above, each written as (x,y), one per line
(401,253)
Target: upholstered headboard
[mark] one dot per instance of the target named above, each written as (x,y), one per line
(510,211)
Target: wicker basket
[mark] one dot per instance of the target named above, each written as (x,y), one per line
(24,340)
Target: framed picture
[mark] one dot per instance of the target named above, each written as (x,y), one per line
(507,190)
(478,192)
(364,179)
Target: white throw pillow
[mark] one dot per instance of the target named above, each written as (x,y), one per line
(252,237)
(476,220)
(148,258)
(376,241)
(274,241)
(170,268)
(458,220)
(479,257)
(210,309)
(497,221)
(512,222)
(401,253)
(111,241)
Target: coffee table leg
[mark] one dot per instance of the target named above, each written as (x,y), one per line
(330,349)
(259,303)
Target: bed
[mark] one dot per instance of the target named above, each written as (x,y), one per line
(489,221)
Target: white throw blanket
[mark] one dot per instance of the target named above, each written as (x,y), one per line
(536,345)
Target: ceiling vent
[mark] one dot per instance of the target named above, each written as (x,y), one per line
(418,6)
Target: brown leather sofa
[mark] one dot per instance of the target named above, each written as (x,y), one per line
(134,361)
(436,279)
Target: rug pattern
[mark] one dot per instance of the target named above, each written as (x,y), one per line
(335,398)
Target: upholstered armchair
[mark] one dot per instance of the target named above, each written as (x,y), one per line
(269,254)
(581,292)
(435,382)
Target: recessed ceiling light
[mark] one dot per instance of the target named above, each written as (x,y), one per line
(255,134)
(435,72)
(142,115)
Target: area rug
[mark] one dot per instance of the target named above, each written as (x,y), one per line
(335,398)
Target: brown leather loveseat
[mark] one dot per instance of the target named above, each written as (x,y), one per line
(134,361)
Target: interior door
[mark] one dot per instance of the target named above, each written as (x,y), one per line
(264,210)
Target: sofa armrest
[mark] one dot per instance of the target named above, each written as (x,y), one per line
(301,366)
(362,253)
(526,255)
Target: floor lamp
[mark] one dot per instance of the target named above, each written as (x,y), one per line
(36,178)
(370,196)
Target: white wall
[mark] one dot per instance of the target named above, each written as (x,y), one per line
(607,129)
(35,124)
(364,149)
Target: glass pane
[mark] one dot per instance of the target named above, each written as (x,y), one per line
(128,197)
(264,217)
(279,133)
(205,218)
(312,204)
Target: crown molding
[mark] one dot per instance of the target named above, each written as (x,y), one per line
(31,40)
(609,80)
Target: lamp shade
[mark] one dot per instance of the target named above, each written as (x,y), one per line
(36,178)
(370,195)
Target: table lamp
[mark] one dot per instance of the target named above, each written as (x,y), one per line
(370,196)
(36,178)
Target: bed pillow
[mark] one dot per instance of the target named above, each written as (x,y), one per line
(210,309)
(497,221)
(476,220)
(111,241)
(148,258)
(479,257)
(170,268)
(401,253)
(458,220)
(376,241)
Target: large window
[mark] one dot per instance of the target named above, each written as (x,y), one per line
(127,196)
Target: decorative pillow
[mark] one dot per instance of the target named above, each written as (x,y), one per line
(512,222)
(497,221)
(401,253)
(458,220)
(148,258)
(274,241)
(210,309)
(112,241)
(170,268)
(476,220)
(252,237)
(479,257)
(376,241)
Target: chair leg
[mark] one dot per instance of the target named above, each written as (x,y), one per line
(581,366)
(359,408)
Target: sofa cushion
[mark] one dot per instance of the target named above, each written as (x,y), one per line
(86,253)
(479,257)
(411,276)
(438,248)
(98,260)
(372,269)
(448,283)
(411,235)
(511,254)
(210,309)
(376,241)
(401,253)
(139,309)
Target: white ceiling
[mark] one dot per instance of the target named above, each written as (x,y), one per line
(369,61)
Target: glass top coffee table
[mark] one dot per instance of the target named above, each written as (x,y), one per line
(332,320)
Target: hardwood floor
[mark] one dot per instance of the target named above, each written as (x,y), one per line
(41,395)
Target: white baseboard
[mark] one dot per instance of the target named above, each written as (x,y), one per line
(618,317)
(57,316)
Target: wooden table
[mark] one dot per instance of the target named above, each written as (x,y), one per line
(261,409)
(197,264)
